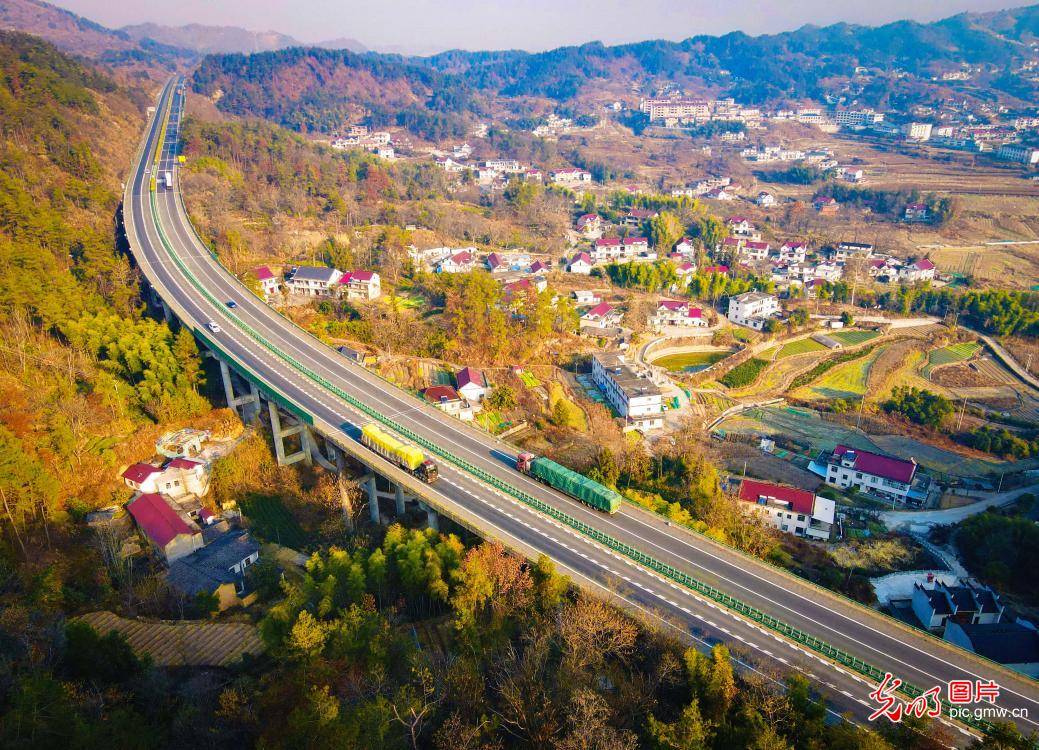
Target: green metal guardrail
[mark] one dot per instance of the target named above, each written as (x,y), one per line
(798,636)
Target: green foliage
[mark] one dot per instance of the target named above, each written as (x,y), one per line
(828,364)
(744,373)
(999,550)
(795,175)
(101,659)
(502,398)
(1001,442)
(665,230)
(920,406)
(649,276)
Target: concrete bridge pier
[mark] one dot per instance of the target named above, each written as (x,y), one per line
(432,520)
(279,434)
(249,402)
(395,492)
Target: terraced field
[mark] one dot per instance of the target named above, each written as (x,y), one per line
(691,361)
(843,381)
(801,346)
(853,338)
(182,644)
(948,355)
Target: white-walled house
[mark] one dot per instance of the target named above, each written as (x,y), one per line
(866,471)
(461,262)
(789,509)
(313,281)
(673,312)
(752,309)
(268,281)
(634,397)
(580,263)
(364,285)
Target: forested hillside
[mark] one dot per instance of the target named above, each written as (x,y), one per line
(305,88)
(81,371)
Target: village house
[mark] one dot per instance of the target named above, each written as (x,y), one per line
(449,401)
(606,249)
(581,263)
(522,288)
(765,199)
(685,272)
(534,175)
(450,165)
(505,166)
(362,285)
(585,297)
(570,176)
(471,383)
(788,509)
(921,270)
(590,225)
(634,396)
(719,194)
(845,251)
(883,269)
(636,216)
(825,205)
(793,252)
(217,569)
(685,248)
(1011,644)
(539,267)
(267,280)
(170,530)
(740,226)
(178,478)
(752,309)
(966,602)
(755,250)
(917,212)
(313,281)
(602,315)
(672,312)
(461,262)
(632,246)
(869,472)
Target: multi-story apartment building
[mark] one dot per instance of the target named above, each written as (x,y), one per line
(634,396)
(752,309)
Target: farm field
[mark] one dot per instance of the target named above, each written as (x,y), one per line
(528,379)
(190,644)
(853,338)
(801,346)
(270,520)
(948,355)
(807,427)
(690,361)
(847,380)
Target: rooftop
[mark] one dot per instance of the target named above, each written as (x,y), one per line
(137,473)
(897,469)
(625,377)
(210,567)
(1004,642)
(158,520)
(800,501)
(314,273)
(437,393)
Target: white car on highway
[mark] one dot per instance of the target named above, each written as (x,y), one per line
(213,327)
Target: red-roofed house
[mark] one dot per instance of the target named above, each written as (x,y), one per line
(590,225)
(755,250)
(826,205)
(685,272)
(179,477)
(638,215)
(874,473)
(539,267)
(495,263)
(793,252)
(634,245)
(603,315)
(922,270)
(460,262)
(580,263)
(172,532)
(606,248)
(472,384)
(268,281)
(740,225)
(673,312)
(448,400)
(716,269)
(789,509)
(364,285)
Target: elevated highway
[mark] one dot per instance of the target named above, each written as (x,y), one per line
(686,583)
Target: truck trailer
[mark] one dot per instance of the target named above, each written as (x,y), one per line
(169,180)
(406,456)
(569,482)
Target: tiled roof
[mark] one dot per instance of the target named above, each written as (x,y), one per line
(183,463)
(801,501)
(603,308)
(313,273)
(585,257)
(1005,642)
(139,472)
(879,465)
(469,375)
(924,264)
(263,273)
(435,393)
(210,567)
(157,519)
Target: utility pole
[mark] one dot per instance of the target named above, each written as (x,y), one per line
(1000,488)
(962,409)
(862,404)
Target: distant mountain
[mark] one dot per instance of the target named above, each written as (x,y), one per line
(307,88)
(343,42)
(314,89)
(80,36)
(211,39)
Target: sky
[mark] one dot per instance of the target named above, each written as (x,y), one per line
(423,26)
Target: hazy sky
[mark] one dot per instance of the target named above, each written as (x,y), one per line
(425,25)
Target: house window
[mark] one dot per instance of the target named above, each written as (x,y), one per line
(800,517)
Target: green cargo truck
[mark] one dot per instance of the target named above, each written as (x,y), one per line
(565,480)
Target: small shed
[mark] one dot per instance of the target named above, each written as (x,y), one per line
(828,342)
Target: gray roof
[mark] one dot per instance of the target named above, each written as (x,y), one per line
(210,567)
(1005,642)
(313,273)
